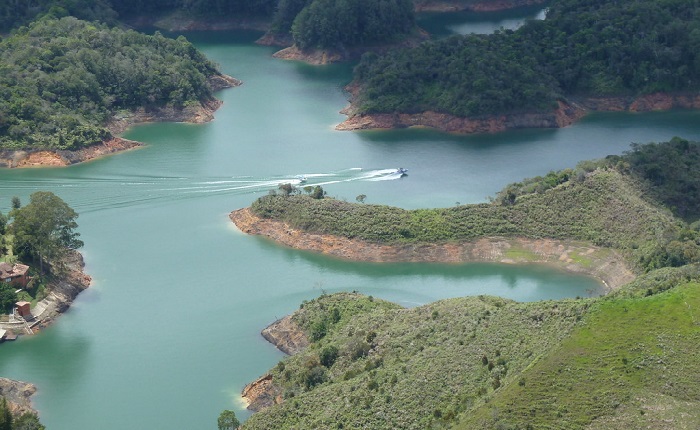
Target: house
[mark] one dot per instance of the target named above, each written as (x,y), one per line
(15,274)
(24,309)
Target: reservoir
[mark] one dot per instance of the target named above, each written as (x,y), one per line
(168,334)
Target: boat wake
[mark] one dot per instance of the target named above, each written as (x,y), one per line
(85,197)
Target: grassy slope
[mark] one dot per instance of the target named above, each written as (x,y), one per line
(633,363)
(423,365)
(606,208)
(613,362)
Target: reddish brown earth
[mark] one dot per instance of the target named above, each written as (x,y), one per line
(604,264)
(565,114)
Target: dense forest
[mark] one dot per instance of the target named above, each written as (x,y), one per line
(583,47)
(312,23)
(62,80)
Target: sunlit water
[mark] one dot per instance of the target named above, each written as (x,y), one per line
(168,334)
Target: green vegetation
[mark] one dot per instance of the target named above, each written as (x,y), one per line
(44,228)
(42,233)
(583,47)
(228,421)
(627,357)
(25,421)
(344,23)
(486,362)
(62,80)
(614,202)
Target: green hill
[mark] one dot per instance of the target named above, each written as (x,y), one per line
(62,80)
(486,362)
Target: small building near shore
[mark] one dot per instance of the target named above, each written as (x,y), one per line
(24,309)
(16,275)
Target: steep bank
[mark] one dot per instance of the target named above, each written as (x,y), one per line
(566,114)
(289,338)
(603,264)
(18,395)
(204,112)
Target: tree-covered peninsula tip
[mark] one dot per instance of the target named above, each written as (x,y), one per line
(63,79)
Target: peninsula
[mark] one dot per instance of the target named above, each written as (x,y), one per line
(488,362)
(67,105)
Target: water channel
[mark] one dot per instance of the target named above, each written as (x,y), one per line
(168,334)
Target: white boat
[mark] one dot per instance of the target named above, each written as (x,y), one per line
(301,178)
(401,171)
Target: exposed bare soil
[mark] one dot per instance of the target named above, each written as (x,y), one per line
(604,264)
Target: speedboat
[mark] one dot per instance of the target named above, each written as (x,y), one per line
(301,178)
(401,171)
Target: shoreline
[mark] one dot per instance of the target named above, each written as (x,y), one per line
(63,290)
(18,395)
(567,113)
(119,123)
(605,265)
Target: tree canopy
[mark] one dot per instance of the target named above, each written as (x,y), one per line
(583,47)
(44,228)
(345,23)
(61,80)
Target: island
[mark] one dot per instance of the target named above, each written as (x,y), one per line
(489,362)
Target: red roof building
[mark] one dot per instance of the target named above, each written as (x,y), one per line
(16,275)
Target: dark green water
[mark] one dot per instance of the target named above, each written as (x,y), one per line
(168,334)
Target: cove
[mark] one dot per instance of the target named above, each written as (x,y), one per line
(168,334)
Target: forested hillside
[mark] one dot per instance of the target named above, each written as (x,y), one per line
(62,80)
(583,47)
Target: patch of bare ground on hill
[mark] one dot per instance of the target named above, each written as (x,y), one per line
(604,264)
(203,112)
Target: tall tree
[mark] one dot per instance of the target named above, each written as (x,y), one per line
(44,227)
(5,415)
(228,421)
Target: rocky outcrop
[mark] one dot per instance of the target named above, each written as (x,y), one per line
(262,393)
(289,338)
(603,264)
(286,335)
(18,395)
(472,5)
